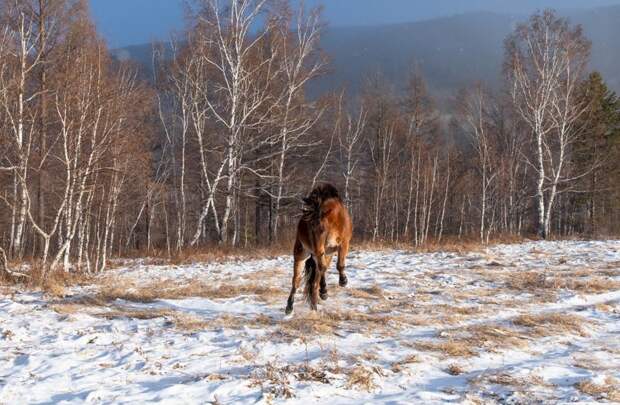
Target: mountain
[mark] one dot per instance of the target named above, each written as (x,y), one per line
(450,52)
(381,12)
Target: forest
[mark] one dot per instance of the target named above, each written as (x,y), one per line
(219,147)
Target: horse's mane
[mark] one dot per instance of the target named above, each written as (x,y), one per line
(312,203)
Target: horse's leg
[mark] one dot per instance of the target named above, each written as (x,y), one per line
(299,256)
(321,262)
(343,250)
(323,286)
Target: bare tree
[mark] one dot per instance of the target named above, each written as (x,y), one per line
(350,137)
(545,61)
(300,63)
(474,113)
(235,93)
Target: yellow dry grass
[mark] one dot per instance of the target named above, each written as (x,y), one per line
(493,337)
(609,390)
(547,280)
(452,348)
(329,322)
(53,283)
(399,365)
(371,293)
(112,290)
(552,324)
(361,377)
(455,369)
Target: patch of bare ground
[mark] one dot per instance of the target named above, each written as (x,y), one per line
(550,324)
(608,391)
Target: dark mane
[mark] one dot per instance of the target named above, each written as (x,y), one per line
(320,194)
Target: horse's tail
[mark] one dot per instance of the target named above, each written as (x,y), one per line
(310,272)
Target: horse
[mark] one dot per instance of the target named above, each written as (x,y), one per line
(324,229)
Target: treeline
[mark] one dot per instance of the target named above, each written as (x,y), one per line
(221,145)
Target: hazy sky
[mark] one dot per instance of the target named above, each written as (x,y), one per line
(126,22)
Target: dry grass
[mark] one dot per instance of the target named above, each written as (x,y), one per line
(466,342)
(275,380)
(455,369)
(213,253)
(361,377)
(508,380)
(534,281)
(607,307)
(445,245)
(589,363)
(121,313)
(609,390)
(502,379)
(452,348)
(398,366)
(180,320)
(53,283)
(552,324)
(370,293)
(113,289)
(329,322)
(493,337)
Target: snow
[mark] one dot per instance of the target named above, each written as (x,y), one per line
(386,338)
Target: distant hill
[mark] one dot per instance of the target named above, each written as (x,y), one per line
(450,52)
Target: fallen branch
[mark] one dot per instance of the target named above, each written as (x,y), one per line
(4,267)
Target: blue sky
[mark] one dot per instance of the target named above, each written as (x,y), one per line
(127,22)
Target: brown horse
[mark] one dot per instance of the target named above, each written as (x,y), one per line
(324,229)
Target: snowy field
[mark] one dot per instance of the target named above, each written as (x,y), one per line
(530,323)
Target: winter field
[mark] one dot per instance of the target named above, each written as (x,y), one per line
(530,323)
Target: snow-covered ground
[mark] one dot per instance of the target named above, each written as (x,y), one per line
(529,323)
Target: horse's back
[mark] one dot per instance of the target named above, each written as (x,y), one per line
(338,220)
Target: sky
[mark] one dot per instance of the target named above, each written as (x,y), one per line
(130,22)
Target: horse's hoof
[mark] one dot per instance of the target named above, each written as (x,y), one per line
(343,281)
(288,310)
(324,296)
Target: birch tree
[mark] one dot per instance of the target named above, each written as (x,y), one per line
(235,93)
(474,113)
(300,63)
(545,61)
